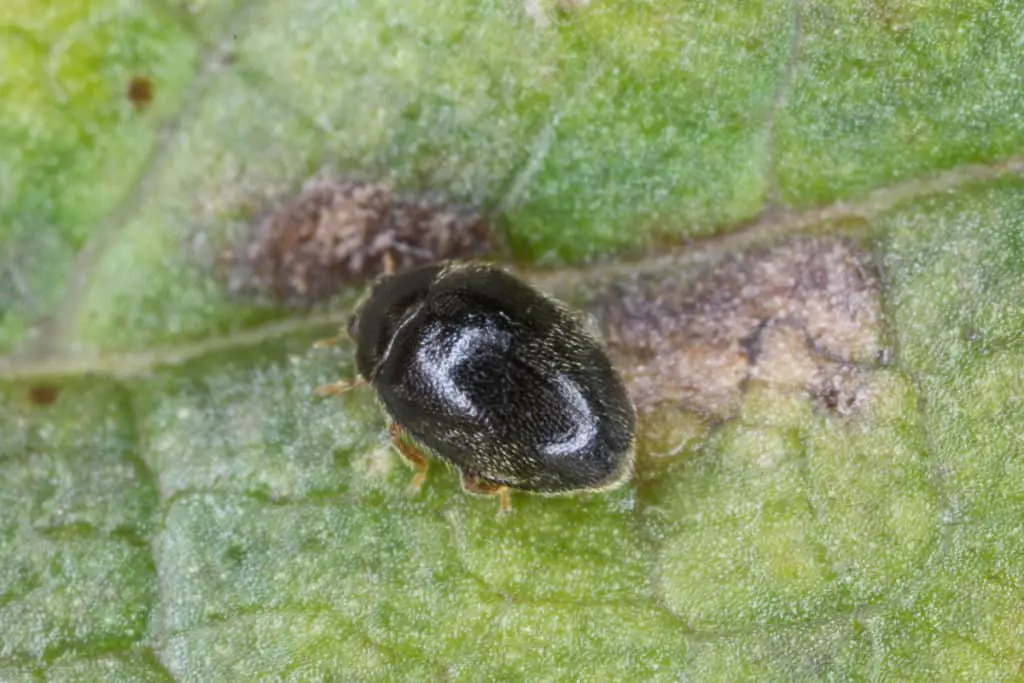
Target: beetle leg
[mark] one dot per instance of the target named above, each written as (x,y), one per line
(474,484)
(339,387)
(410,453)
(329,342)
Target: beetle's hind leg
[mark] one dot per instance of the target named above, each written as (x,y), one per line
(328,342)
(474,484)
(411,453)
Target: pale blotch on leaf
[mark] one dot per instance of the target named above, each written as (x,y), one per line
(338,232)
(374,465)
(804,316)
(542,11)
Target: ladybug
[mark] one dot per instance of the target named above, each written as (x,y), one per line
(484,371)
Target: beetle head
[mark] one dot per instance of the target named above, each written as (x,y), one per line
(390,300)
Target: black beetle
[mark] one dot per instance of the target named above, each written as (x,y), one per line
(486,372)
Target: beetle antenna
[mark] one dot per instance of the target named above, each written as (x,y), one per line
(339,387)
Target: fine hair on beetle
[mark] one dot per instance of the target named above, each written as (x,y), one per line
(507,384)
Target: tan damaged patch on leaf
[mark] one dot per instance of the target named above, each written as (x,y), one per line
(343,232)
(803,316)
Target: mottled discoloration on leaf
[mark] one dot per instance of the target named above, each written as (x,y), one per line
(796,315)
(341,233)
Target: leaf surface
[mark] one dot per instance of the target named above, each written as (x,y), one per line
(174,505)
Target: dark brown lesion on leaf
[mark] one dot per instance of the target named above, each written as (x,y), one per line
(337,233)
(805,315)
(140,92)
(43,394)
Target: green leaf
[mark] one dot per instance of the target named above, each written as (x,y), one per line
(801,226)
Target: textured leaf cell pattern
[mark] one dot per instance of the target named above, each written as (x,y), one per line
(800,226)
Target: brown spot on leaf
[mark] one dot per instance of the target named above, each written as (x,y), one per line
(140,92)
(804,315)
(43,394)
(337,233)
